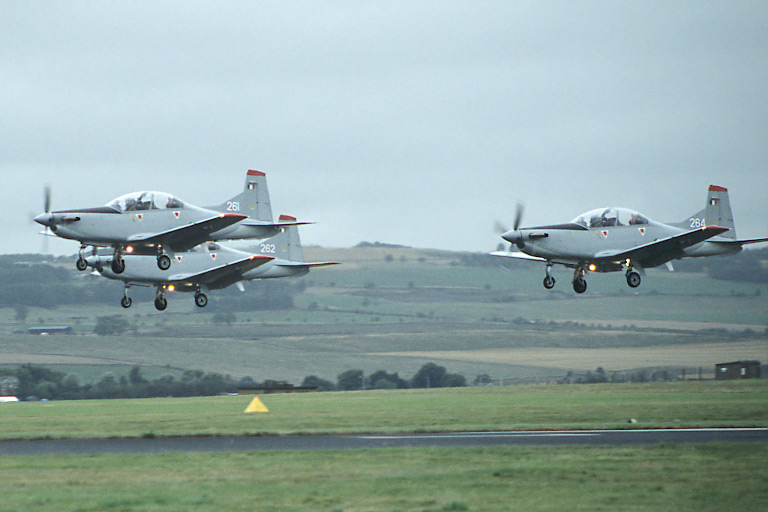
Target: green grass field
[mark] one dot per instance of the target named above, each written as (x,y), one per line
(709,477)
(682,404)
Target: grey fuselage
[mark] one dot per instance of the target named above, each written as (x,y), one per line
(107,226)
(144,270)
(579,245)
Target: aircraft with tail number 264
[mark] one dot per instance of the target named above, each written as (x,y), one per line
(160,224)
(620,239)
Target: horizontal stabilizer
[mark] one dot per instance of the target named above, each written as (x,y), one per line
(740,242)
(306,264)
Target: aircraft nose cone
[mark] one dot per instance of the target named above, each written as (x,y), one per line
(46,219)
(511,236)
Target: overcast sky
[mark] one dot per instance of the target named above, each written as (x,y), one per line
(419,123)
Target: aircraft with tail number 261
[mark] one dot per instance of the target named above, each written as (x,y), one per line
(619,239)
(160,224)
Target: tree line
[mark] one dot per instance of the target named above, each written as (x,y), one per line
(32,382)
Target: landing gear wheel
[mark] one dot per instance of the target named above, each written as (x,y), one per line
(201,300)
(579,285)
(126,302)
(163,262)
(118,265)
(81,264)
(633,279)
(161,303)
(549,282)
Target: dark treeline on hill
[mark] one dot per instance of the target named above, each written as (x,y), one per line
(30,382)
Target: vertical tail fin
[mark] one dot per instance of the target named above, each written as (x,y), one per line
(293,250)
(716,212)
(253,201)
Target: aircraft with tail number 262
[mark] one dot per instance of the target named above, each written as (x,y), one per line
(620,239)
(212,266)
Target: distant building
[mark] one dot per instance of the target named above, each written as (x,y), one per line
(8,399)
(737,370)
(53,329)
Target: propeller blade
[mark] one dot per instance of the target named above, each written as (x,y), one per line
(518,215)
(47,198)
(500,228)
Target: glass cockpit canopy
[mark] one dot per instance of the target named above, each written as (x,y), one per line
(138,201)
(606,217)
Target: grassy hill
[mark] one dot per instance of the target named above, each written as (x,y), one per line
(397,308)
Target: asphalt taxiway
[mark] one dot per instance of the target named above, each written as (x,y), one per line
(380,441)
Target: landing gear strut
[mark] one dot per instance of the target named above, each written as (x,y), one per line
(81,264)
(126,300)
(549,281)
(579,283)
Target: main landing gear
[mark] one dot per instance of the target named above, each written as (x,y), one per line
(118,263)
(579,283)
(200,299)
(160,302)
(633,278)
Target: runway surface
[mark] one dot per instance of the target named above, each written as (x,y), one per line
(363,441)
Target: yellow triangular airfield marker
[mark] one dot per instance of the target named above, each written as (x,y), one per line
(256,405)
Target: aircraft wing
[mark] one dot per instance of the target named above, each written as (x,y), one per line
(660,251)
(523,256)
(214,274)
(186,237)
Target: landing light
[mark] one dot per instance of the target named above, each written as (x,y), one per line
(129,249)
(171,288)
(592,267)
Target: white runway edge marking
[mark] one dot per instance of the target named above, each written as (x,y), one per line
(556,433)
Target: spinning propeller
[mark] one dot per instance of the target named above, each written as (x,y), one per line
(514,236)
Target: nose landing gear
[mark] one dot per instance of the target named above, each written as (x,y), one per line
(549,281)
(201,300)
(126,300)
